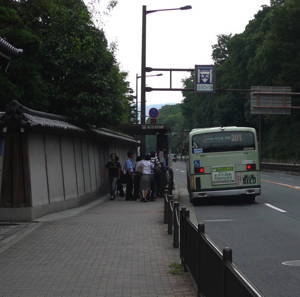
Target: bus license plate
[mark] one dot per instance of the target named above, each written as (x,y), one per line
(223,176)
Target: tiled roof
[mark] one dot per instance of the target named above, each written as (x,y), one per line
(8,49)
(113,134)
(26,117)
(35,121)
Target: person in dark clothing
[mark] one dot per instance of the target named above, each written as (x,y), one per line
(129,171)
(114,171)
(156,169)
(136,180)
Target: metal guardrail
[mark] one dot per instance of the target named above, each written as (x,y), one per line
(280,166)
(212,270)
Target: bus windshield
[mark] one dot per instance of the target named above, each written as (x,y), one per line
(223,141)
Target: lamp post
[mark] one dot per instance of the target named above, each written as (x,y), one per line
(143,64)
(136,92)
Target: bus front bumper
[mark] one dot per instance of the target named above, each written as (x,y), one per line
(223,193)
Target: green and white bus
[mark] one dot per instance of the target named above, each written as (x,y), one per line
(223,161)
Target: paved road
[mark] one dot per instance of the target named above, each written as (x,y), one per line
(262,235)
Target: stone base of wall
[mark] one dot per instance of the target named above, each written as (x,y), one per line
(27,214)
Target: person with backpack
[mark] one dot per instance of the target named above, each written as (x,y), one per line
(156,170)
(145,167)
(129,171)
(137,177)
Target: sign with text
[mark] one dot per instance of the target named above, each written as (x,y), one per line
(270,100)
(204,78)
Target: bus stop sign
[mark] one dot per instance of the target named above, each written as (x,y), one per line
(153,113)
(204,78)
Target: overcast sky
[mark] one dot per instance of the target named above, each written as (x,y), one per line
(175,39)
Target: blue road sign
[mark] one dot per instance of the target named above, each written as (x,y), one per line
(204,78)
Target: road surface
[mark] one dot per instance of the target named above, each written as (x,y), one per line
(264,236)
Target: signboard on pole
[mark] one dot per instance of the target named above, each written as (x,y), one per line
(270,100)
(153,113)
(204,78)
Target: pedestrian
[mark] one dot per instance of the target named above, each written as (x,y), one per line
(156,170)
(128,171)
(137,178)
(145,167)
(114,171)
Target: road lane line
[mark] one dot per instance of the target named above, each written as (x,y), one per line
(217,220)
(276,208)
(281,184)
(182,171)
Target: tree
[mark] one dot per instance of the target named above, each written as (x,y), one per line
(266,53)
(67,67)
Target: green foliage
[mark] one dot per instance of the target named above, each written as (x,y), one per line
(176,269)
(171,116)
(67,67)
(266,53)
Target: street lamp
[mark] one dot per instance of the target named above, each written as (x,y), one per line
(136,92)
(143,68)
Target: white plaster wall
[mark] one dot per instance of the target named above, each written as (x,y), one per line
(67,167)
(37,169)
(79,165)
(92,167)
(86,166)
(97,163)
(55,177)
(69,170)
(104,157)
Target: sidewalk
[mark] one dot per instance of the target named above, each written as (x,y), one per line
(113,249)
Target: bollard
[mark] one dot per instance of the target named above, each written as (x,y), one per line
(171,182)
(170,216)
(165,210)
(176,226)
(227,254)
(227,259)
(182,235)
(201,259)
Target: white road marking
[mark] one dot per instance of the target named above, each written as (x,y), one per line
(281,184)
(217,220)
(291,263)
(182,171)
(276,208)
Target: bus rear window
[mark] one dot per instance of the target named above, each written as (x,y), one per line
(223,142)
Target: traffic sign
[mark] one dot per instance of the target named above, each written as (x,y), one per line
(204,78)
(153,113)
(270,100)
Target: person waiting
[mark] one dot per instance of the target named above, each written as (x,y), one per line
(145,167)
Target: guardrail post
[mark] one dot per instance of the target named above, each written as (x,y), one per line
(227,254)
(201,231)
(171,181)
(227,258)
(182,242)
(170,215)
(165,210)
(175,224)
(186,251)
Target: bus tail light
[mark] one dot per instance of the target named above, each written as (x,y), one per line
(199,170)
(251,167)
